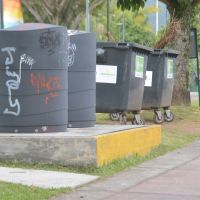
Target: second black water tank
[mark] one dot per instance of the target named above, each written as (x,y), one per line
(82,79)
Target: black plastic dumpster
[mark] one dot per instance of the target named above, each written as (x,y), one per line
(33,79)
(120,78)
(159,83)
(82,74)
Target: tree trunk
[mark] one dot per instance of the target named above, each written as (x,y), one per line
(181,93)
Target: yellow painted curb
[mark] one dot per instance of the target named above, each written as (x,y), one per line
(124,143)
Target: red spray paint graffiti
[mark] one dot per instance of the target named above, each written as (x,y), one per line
(51,84)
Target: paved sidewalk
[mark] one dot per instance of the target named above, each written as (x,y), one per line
(174,176)
(43,178)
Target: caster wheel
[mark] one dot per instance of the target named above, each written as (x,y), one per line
(140,122)
(168,117)
(158,120)
(123,118)
(114,116)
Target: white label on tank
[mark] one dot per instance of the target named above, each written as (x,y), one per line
(148,81)
(139,66)
(170,67)
(106,74)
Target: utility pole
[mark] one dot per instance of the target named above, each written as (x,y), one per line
(157,26)
(198,77)
(197,57)
(193,53)
(108,18)
(123,28)
(88,15)
(1,14)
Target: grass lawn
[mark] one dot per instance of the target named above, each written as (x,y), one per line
(10,191)
(184,130)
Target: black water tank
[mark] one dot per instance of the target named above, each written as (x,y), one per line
(82,82)
(33,78)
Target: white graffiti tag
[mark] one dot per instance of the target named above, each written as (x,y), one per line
(27,60)
(12,85)
(15,82)
(71,56)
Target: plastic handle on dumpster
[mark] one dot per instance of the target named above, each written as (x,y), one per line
(158,51)
(100,51)
(122,45)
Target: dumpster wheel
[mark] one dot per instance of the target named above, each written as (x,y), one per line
(158,117)
(168,116)
(137,120)
(122,118)
(114,116)
(140,122)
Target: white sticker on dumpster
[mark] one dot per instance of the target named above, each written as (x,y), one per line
(170,67)
(148,80)
(106,74)
(139,66)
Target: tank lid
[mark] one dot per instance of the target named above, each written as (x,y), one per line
(31,26)
(77,32)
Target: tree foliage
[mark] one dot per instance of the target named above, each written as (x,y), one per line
(135,24)
(175,7)
(62,12)
(131,4)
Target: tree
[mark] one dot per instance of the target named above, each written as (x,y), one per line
(62,12)
(181,12)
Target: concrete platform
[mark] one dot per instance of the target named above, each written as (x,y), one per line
(98,145)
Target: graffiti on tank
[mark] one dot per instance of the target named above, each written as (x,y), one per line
(51,84)
(26,60)
(71,56)
(50,40)
(14,83)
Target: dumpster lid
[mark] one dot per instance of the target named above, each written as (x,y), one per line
(166,51)
(106,44)
(123,45)
(171,51)
(140,46)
